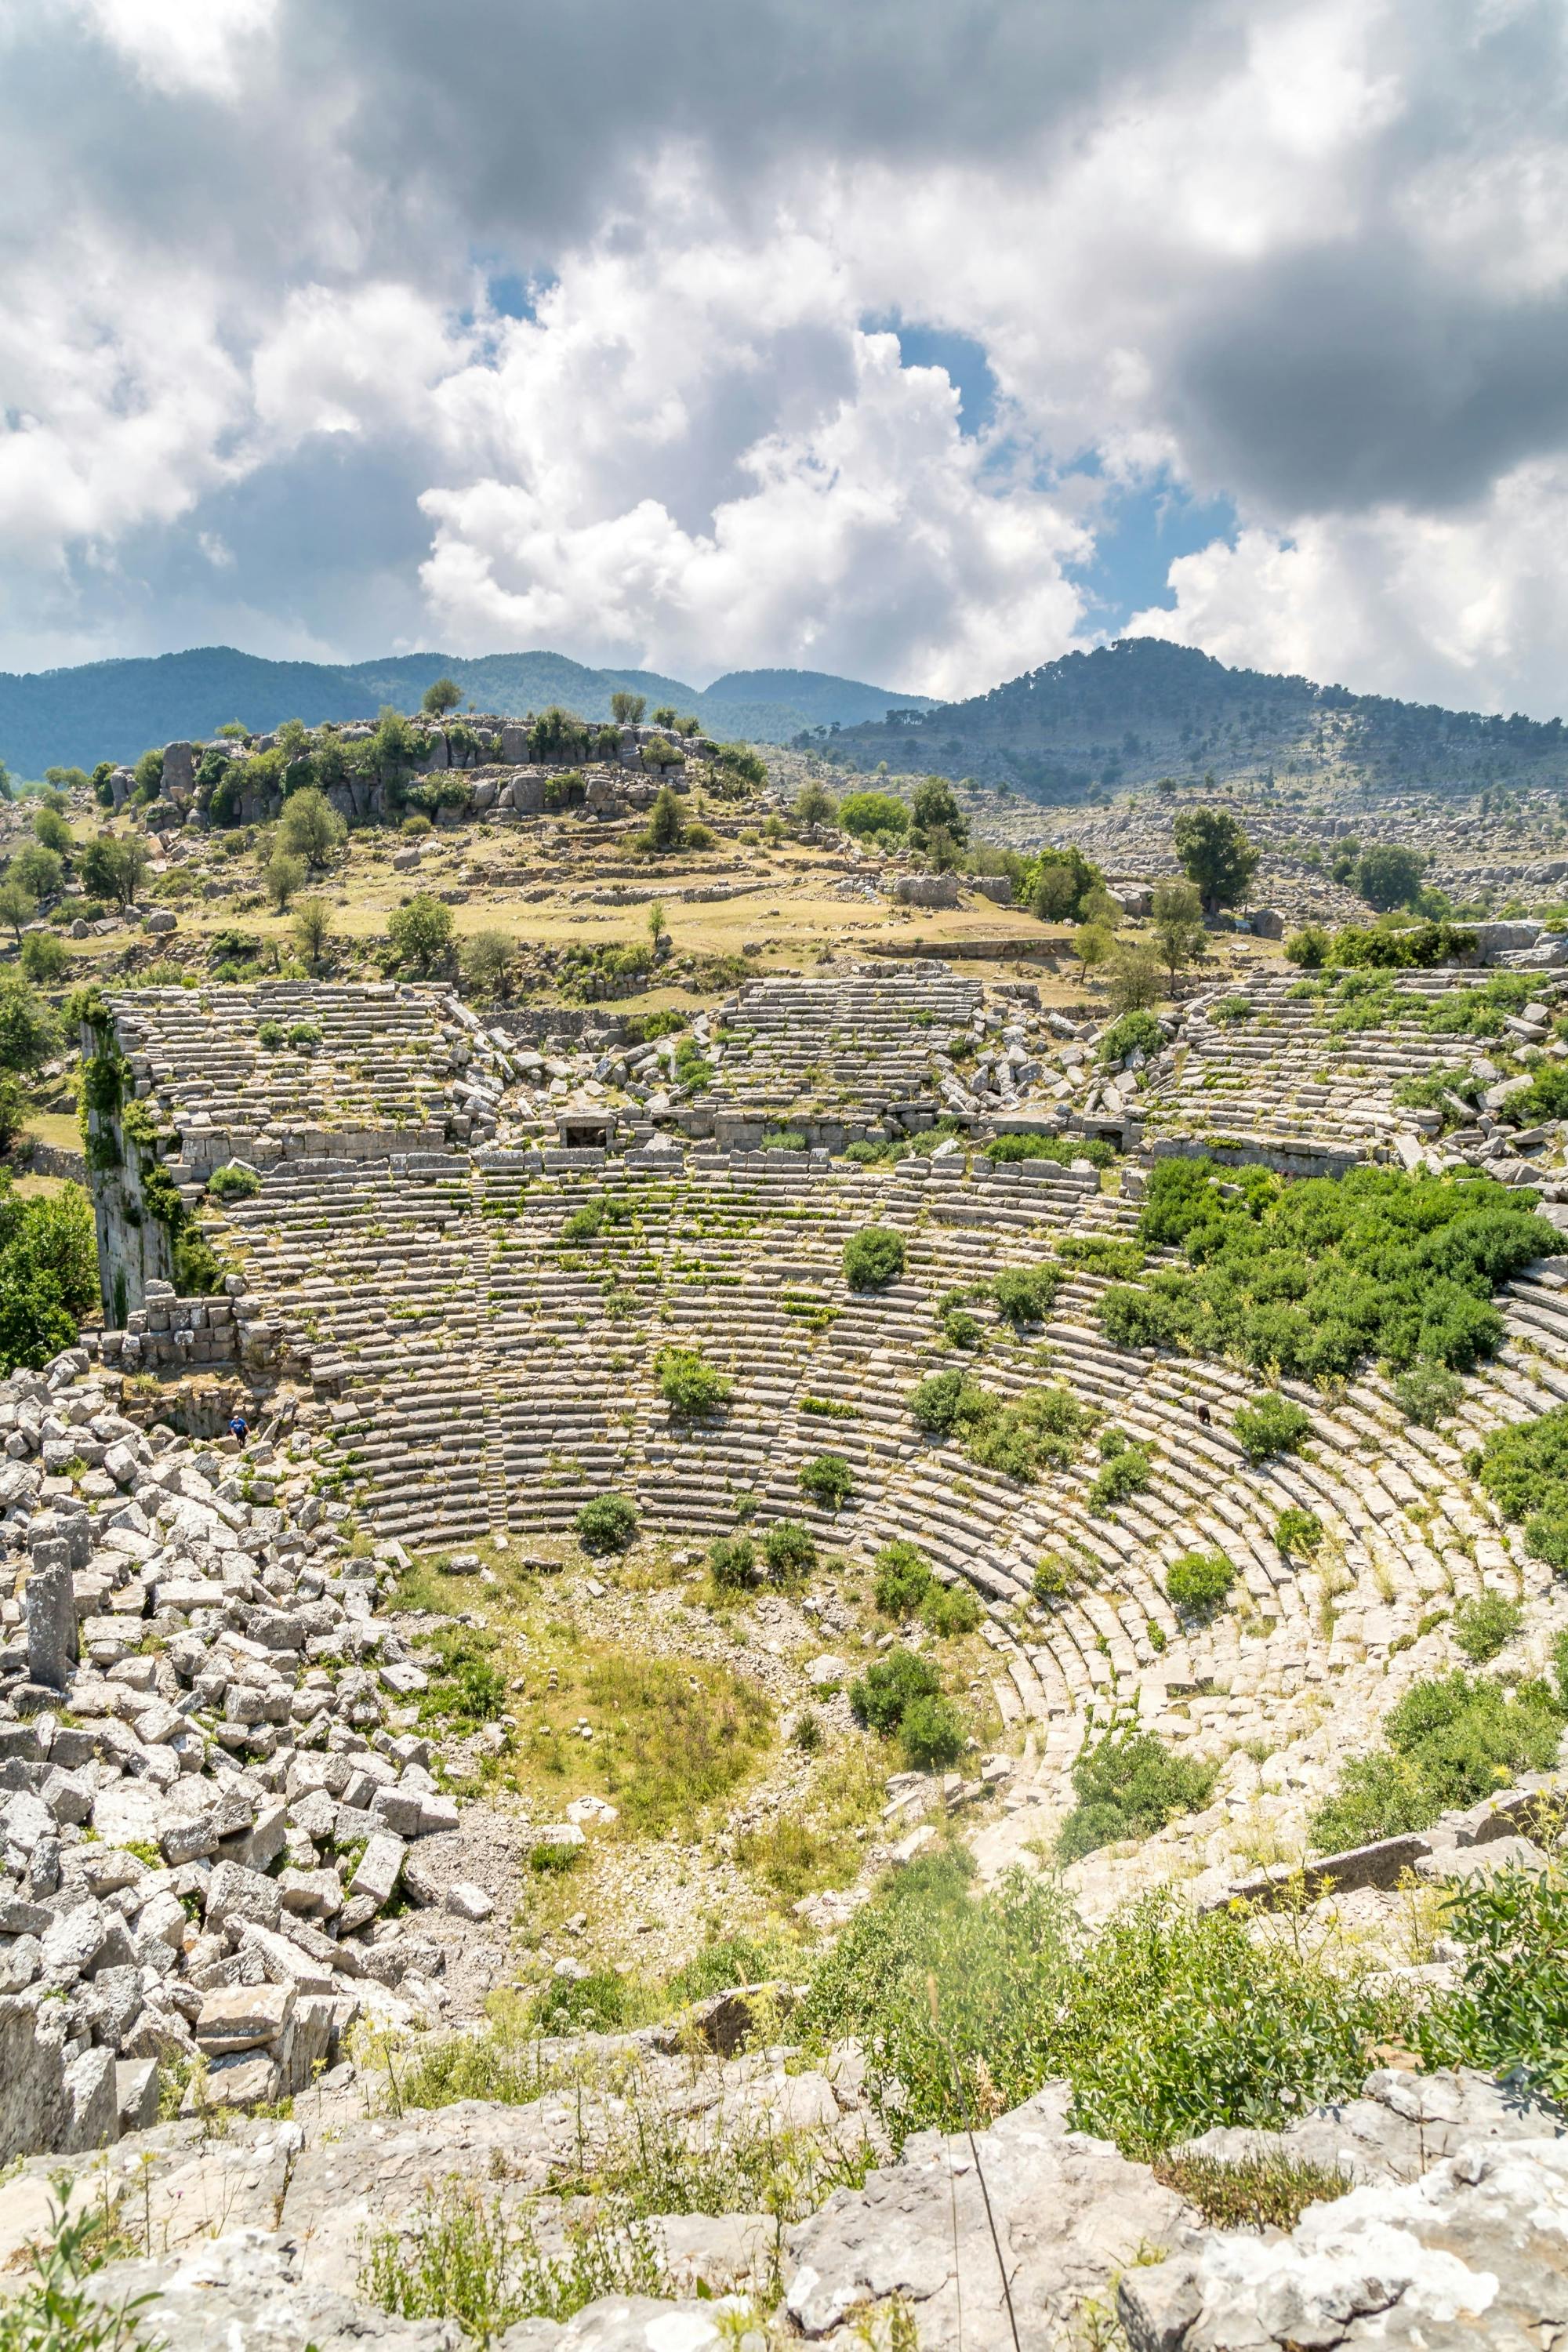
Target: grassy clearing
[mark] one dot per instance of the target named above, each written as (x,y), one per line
(814,1844)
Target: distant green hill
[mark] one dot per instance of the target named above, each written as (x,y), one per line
(115,709)
(1133,712)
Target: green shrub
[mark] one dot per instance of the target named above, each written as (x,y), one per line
(1126,1472)
(890,1686)
(789,1551)
(1025,1294)
(1129,1785)
(1484,1623)
(1271,1424)
(1101,1253)
(1428,1395)
(873,1258)
(1051,1579)
(961,1329)
(932,1734)
(1199,1581)
(233,1183)
(1525,1470)
(1164,2021)
(1450,1741)
(1509,2014)
(1228,1010)
(1133,1033)
(1043,1428)
(903,1579)
(734,1562)
(688,1385)
(950,1610)
(607,1523)
(270,1035)
(1308,1278)
(304,1034)
(1297,1533)
(1309,947)
(828,1480)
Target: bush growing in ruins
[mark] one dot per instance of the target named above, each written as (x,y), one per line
(1055,886)
(665,827)
(903,1578)
(1133,982)
(1041,1429)
(688,1385)
(234,1182)
(420,931)
(45,959)
(1127,1471)
(828,1480)
(30,1032)
(1524,1469)
(48,1273)
(1136,1032)
(1128,1785)
(732,1562)
(1428,1395)
(789,1551)
(1484,1623)
(1308,1278)
(1217,856)
(1388,876)
(1101,1253)
(1025,1294)
(1298,1532)
(1308,948)
(1450,1741)
(1199,1581)
(879,1700)
(874,816)
(1164,2021)
(932,1734)
(1271,1424)
(607,1524)
(873,1258)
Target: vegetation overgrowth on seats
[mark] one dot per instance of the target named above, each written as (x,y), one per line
(1451,1740)
(1525,1470)
(1309,1278)
(1042,1429)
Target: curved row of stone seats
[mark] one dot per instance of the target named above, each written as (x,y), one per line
(1283,1071)
(845,1037)
(381,1062)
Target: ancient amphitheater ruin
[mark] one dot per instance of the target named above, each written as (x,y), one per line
(451,1261)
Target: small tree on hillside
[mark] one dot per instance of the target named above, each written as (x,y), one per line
(489,961)
(814,808)
(29,1027)
(420,931)
(312,929)
(18,905)
(311,828)
(284,877)
(627,708)
(665,827)
(1215,854)
(934,809)
(1386,876)
(1179,927)
(444,695)
(1133,979)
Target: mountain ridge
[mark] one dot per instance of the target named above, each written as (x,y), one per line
(113,710)
(1142,709)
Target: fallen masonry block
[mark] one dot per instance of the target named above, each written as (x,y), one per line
(466,1900)
(236,1896)
(244,2017)
(377,1873)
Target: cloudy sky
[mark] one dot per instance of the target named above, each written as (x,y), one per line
(918,339)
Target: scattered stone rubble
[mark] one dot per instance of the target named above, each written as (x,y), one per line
(209,1789)
(1451,2228)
